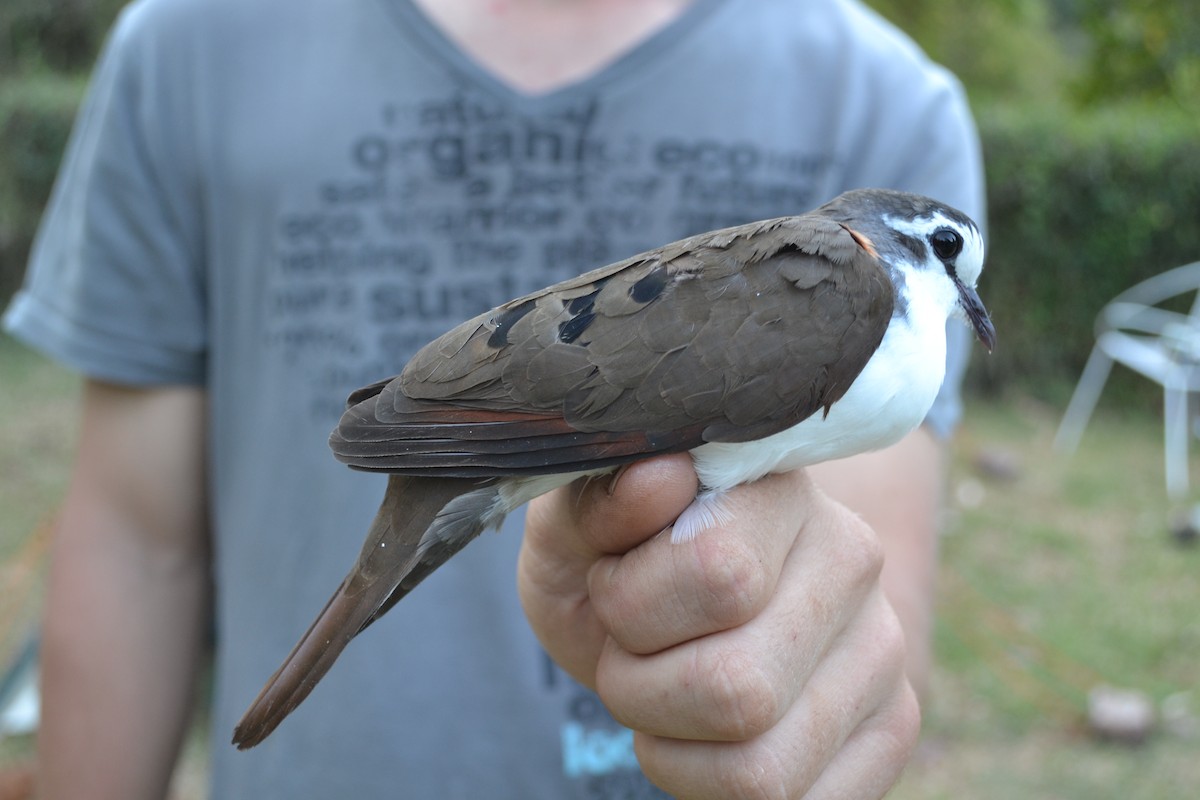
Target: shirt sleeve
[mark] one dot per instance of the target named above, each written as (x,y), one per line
(115,286)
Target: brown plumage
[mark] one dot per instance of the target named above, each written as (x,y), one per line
(726,336)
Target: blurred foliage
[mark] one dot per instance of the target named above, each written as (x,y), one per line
(1088,52)
(56,35)
(1080,207)
(35,120)
(1087,109)
(1148,49)
(999,49)
(47,48)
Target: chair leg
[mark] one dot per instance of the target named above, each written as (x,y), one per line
(1083,402)
(1175,440)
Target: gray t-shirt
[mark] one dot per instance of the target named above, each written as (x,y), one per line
(281,201)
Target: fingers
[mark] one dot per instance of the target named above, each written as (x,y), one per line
(847,735)
(733,675)
(663,593)
(883,742)
(568,530)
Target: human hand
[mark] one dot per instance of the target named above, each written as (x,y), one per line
(759,660)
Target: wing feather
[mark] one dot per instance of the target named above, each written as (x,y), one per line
(729,336)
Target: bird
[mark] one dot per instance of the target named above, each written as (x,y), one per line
(759,348)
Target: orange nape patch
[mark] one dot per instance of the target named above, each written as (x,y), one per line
(863,241)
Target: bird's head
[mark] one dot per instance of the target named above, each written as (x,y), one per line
(922,240)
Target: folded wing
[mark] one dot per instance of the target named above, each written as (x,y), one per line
(729,336)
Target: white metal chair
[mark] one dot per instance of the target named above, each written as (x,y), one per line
(1163,345)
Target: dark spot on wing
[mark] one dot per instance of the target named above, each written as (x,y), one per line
(505,321)
(581,311)
(581,305)
(570,330)
(585,302)
(650,286)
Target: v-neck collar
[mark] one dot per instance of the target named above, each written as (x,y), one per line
(441,48)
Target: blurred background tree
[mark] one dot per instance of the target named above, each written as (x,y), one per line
(56,35)
(1088,52)
(1089,111)
(1023,50)
(1148,49)
(47,48)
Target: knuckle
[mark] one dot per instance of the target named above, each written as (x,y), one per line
(896,730)
(743,702)
(904,726)
(861,552)
(890,639)
(897,721)
(761,775)
(732,585)
(884,631)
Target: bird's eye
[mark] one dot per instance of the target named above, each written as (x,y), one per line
(947,243)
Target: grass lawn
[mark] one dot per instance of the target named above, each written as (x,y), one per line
(37,431)
(1057,576)
(1054,580)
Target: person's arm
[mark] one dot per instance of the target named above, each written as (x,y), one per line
(127,597)
(761,659)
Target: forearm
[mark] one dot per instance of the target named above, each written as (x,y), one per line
(125,611)
(122,637)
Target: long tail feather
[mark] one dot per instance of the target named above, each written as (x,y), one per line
(388,564)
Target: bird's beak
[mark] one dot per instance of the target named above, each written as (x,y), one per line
(978,315)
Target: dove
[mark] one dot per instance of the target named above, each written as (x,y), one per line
(757,349)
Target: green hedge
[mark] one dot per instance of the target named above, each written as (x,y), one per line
(62,36)
(35,120)
(1081,206)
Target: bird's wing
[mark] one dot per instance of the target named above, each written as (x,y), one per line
(729,336)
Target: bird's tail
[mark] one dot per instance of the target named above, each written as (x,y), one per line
(390,565)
